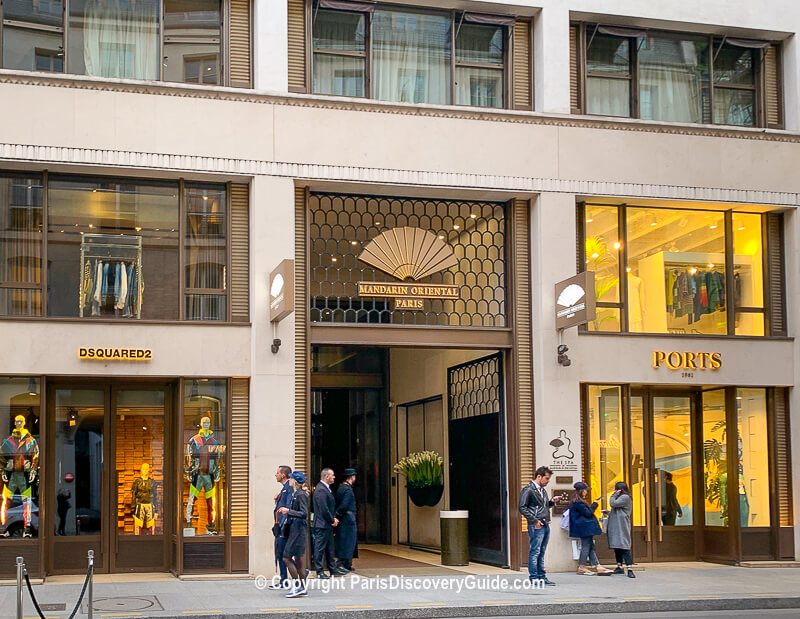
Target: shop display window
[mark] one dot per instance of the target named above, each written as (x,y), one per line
(715,458)
(19,457)
(602,255)
(113,248)
(139,430)
(21,219)
(753,449)
(682,273)
(204,438)
(606,440)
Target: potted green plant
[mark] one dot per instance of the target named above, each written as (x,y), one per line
(424,473)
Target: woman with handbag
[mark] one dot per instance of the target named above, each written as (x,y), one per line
(583,524)
(619,527)
(295,530)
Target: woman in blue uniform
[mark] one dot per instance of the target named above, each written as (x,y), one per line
(295,530)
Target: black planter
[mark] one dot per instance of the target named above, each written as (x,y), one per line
(426,496)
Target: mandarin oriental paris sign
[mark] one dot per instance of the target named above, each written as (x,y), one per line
(408,254)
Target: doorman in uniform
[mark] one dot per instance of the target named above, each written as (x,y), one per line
(346,533)
(282,499)
(324,521)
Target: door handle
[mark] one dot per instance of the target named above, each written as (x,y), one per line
(647,502)
(660,506)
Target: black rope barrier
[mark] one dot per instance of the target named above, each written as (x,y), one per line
(77,604)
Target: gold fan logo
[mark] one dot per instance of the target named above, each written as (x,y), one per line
(408,254)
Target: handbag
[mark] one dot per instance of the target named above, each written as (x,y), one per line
(604,524)
(565,520)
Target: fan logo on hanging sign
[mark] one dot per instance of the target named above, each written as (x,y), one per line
(408,254)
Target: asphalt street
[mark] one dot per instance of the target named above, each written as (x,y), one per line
(720,614)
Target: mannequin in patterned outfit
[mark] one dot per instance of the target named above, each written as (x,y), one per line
(202,469)
(19,460)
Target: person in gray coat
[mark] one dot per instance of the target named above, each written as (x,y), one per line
(619,527)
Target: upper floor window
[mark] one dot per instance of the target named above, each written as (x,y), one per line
(170,40)
(410,55)
(667,76)
(680,271)
(111,248)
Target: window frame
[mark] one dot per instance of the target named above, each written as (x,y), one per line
(456,18)
(223,40)
(731,309)
(181,289)
(715,45)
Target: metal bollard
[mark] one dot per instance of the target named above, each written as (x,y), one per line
(20,568)
(90,604)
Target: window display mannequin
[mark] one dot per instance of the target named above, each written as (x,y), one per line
(203,471)
(19,458)
(144,502)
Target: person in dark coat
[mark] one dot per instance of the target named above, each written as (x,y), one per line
(583,524)
(346,533)
(619,527)
(282,499)
(324,521)
(295,530)
(672,506)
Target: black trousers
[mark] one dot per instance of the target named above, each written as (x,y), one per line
(323,549)
(623,556)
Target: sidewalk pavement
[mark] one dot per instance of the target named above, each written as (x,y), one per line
(658,587)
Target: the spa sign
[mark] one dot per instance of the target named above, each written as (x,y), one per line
(687,361)
(115,354)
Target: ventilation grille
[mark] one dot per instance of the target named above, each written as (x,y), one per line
(241,44)
(522,312)
(240,457)
(240,253)
(301,394)
(522,65)
(772,88)
(297,46)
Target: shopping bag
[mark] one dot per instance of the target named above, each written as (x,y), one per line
(565,520)
(576,549)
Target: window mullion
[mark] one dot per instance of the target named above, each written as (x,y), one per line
(65,37)
(634,84)
(452,57)
(43,252)
(730,282)
(181,247)
(622,263)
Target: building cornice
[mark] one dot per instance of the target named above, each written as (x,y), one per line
(113,161)
(218,93)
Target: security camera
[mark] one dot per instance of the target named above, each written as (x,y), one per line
(562,355)
(276,344)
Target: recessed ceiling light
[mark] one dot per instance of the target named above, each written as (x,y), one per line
(205,197)
(333,259)
(595,255)
(713,227)
(590,220)
(441,236)
(740,228)
(456,227)
(653,223)
(353,242)
(710,266)
(617,245)
(473,216)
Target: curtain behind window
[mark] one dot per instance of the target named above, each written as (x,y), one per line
(411,57)
(673,79)
(120,38)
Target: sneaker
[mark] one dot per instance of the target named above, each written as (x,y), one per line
(585,571)
(322,576)
(602,571)
(619,570)
(296,592)
(631,574)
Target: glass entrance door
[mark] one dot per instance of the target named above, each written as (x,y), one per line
(664,484)
(108,485)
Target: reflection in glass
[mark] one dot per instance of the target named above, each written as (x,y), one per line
(734,107)
(79,430)
(608,97)
(480,86)
(35,42)
(606,440)
(638,467)
(602,249)
(715,458)
(676,271)
(140,461)
(336,74)
(19,457)
(748,272)
(206,252)
(672,453)
(20,245)
(192,41)
(754,479)
(411,56)
(608,56)
(114,38)
(115,214)
(204,440)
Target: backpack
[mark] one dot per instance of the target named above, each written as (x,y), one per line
(565,520)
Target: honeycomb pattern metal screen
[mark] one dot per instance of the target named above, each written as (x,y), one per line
(341,225)
(475,388)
